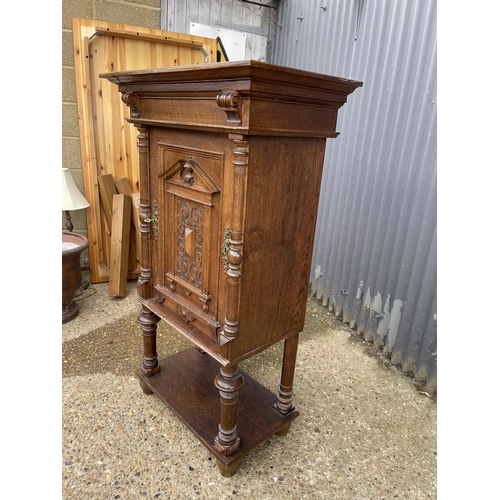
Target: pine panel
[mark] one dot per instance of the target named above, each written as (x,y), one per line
(108,142)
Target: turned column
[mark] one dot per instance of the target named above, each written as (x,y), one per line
(233,242)
(146,216)
(148,321)
(228,381)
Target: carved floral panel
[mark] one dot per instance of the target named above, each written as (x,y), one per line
(190,232)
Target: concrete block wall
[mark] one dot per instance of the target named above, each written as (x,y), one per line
(134,12)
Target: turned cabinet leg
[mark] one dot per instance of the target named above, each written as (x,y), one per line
(228,382)
(285,396)
(148,321)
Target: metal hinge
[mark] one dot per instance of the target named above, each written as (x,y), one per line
(225,249)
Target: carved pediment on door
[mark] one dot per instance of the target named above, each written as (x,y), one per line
(187,172)
(190,172)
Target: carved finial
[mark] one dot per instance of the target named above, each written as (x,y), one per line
(186,172)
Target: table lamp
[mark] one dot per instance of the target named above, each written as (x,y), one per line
(72,199)
(73,245)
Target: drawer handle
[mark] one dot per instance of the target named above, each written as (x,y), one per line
(154,220)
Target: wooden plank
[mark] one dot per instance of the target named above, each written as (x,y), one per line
(120,235)
(123,187)
(107,190)
(135,35)
(105,199)
(108,143)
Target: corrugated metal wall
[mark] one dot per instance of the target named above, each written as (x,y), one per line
(374,261)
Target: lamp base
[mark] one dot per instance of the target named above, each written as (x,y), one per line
(69,224)
(73,246)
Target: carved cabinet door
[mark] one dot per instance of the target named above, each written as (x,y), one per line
(187,194)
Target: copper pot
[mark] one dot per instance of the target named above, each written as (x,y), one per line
(72,247)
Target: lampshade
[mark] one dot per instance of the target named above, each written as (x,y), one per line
(72,199)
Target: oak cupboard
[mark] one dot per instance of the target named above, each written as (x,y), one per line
(231,157)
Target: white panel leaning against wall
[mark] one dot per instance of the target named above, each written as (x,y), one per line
(256,19)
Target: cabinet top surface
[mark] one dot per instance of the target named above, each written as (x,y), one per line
(233,70)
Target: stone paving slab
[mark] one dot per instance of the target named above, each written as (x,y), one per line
(365,431)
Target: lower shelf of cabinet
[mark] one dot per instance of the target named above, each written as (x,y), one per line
(186,385)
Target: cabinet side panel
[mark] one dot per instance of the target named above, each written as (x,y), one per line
(284,177)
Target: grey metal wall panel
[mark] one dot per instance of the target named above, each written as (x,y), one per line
(374,260)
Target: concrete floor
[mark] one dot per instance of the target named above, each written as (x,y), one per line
(364,430)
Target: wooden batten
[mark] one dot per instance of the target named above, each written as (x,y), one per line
(123,187)
(120,241)
(107,190)
(136,35)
